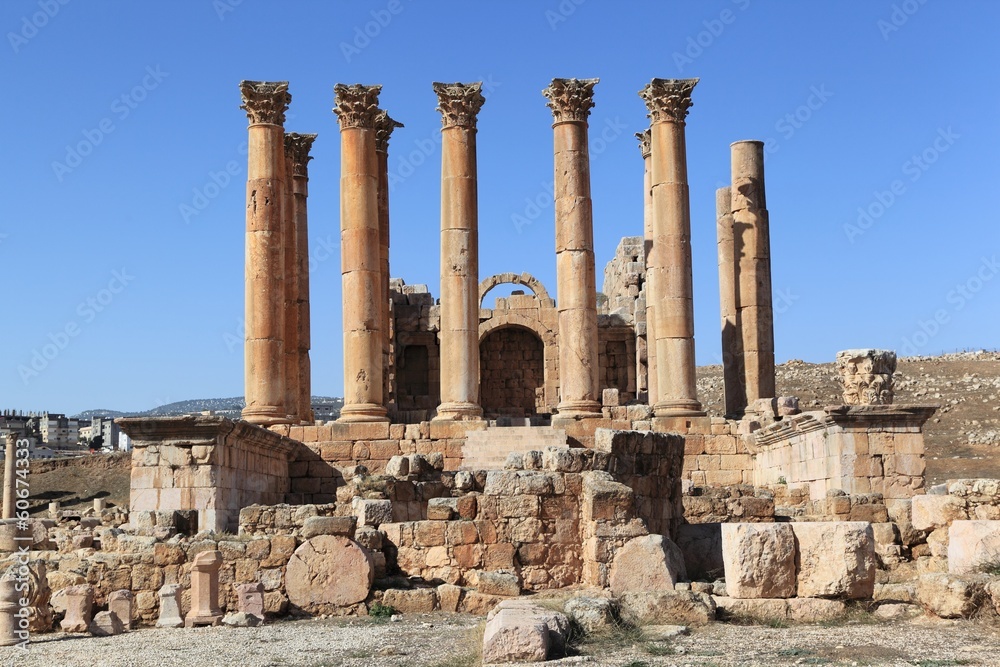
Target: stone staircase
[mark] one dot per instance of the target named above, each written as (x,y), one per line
(488,449)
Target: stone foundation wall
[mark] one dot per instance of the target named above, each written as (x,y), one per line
(728,504)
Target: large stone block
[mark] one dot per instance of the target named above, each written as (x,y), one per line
(950,595)
(759,560)
(673,607)
(973,546)
(835,559)
(646,563)
(523,630)
(328,572)
(930,512)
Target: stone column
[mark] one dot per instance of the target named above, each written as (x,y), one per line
(299,145)
(579,387)
(752,251)
(647,235)
(9,607)
(732,337)
(205,590)
(290,277)
(264,373)
(459,105)
(9,475)
(668,101)
(356,107)
(384,125)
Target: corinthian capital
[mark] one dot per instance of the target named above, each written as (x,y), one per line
(570,99)
(265,101)
(297,148)
(384,125)
(459,103)
(644,138)
(668,99)
(356,105)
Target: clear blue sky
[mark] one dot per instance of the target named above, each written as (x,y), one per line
(887,80)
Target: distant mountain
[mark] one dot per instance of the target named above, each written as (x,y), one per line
(325,406)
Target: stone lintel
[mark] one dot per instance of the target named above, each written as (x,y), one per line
(202,430)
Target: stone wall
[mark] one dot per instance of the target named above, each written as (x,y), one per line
(728,504)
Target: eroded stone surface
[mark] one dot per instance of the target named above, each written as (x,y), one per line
(328,572)
(835,559)
(759,560)
(646,563)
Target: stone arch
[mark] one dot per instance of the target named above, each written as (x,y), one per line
(525,279)
(550,350)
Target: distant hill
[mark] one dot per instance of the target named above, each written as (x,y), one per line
(325,406)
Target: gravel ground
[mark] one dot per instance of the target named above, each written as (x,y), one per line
(452,641)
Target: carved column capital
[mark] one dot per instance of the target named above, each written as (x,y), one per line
(570,99)
(668,100)
(866,375)
(265,101)
(297,148)
(384,125)
(459,103)
(644,138)
(356,105)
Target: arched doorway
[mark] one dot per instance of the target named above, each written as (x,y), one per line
(512,372)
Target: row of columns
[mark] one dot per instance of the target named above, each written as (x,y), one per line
(277,367)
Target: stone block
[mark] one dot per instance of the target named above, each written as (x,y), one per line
(835,559)
(951,595)
(759,560)
(500,583)
(646,563)
(667,607)
(513,637)
(106,624)
(591,613)
(79,601)
(329,525)
(328,572)
(414,601)
(372,512)
(973,546)
(930,512)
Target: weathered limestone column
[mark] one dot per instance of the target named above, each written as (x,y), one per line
(459,105)
(356,107)
(579,387)
(290,274)
(732,336)
(647,235)
(384,125)
(668,101)
(265,103)
(752,250)
(300,145)
(9,475)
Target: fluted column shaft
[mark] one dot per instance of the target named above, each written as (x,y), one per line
(670,256)
(752,248)
(300,147)
(384,126)
(459,105)
(264,373)
(9,475)
(290,274)
(732,340)
(356,107)
(579,384)
(647,234)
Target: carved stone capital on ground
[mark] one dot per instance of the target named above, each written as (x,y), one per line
(570,99)
(644,142)
(384,125)
(866,375)
(297,148)
(668,100)
(356,105)
(265,101)
(459,103)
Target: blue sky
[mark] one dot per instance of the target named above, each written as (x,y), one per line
(124,167)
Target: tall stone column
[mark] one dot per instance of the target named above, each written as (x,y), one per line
(384,125)
(732,337)
(9,474)
(647,235)
(290,275)
(264,374)
(298,147)
(668,101)
(752,249)
(459,105)
(356,107)
(579,387)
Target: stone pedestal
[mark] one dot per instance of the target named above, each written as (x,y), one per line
(205,590)
(79,604)
(265,104)
(120,604)
(579,386)
(250,599)
(459,105)
(384,126)
(9,475)
(732,338)
(99,505)
(647,236)
(9,606)
(866,375)
(668,101)
(170,606)
(356,107)
(752,256)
